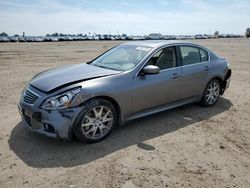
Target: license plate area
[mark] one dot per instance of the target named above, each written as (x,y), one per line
(27,112)
(29,120)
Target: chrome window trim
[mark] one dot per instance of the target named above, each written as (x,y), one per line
(200,63)
(164,70)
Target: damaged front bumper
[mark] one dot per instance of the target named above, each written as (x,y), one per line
(51,123)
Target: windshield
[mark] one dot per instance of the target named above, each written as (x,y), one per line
(123,57)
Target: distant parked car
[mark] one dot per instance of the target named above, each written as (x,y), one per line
(29,39)
(54,39)
(4,39)
(127,82)
(199,36)
(21,39)
(189,37)
(47,39)
(13,39)
(38,39)
(222,36)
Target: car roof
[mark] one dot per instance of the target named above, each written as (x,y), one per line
(156,43)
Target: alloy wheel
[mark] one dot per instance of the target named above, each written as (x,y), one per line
(212,93)
(97,122)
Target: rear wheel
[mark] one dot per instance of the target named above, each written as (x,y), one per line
(211,93)
(96,121)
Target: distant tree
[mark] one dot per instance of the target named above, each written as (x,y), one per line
(16,35)
(248,32)
(47,35)
(62,35)
(216,33)
(3,34)
(55,35)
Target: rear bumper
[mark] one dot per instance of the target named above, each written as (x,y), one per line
(227,83)
(228,78)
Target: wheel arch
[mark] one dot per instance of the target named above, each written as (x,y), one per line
(110,99)
(114,102)
(203,101)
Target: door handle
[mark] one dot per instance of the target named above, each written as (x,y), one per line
(175,75)
(206,68)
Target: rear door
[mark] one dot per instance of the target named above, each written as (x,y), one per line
(195,70)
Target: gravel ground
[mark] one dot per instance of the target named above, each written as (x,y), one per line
(190,146)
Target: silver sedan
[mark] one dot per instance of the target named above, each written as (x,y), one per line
(129,81)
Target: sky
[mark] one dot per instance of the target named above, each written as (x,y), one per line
(133,17)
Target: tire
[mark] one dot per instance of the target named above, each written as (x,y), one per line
(96,121)
(211,93)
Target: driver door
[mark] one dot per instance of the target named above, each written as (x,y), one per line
(152,90)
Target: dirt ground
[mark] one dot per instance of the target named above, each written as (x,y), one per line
(190,146)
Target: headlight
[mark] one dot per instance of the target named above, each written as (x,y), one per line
(61,101)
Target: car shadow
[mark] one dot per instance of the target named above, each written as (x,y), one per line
(41,152)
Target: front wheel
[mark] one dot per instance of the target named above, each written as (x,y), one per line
(211,93)
(96,121)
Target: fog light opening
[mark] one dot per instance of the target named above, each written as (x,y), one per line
(49,128)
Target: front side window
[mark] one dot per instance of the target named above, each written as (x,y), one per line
(164,58)
(124,57)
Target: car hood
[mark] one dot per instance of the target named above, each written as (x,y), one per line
(53,79)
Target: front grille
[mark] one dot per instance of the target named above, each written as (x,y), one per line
(29,96)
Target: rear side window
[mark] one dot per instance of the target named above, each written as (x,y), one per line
(191,55)
(204,55)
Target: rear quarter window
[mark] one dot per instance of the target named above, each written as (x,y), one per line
(204,55)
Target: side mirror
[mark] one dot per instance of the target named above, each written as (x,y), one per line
(151,69)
